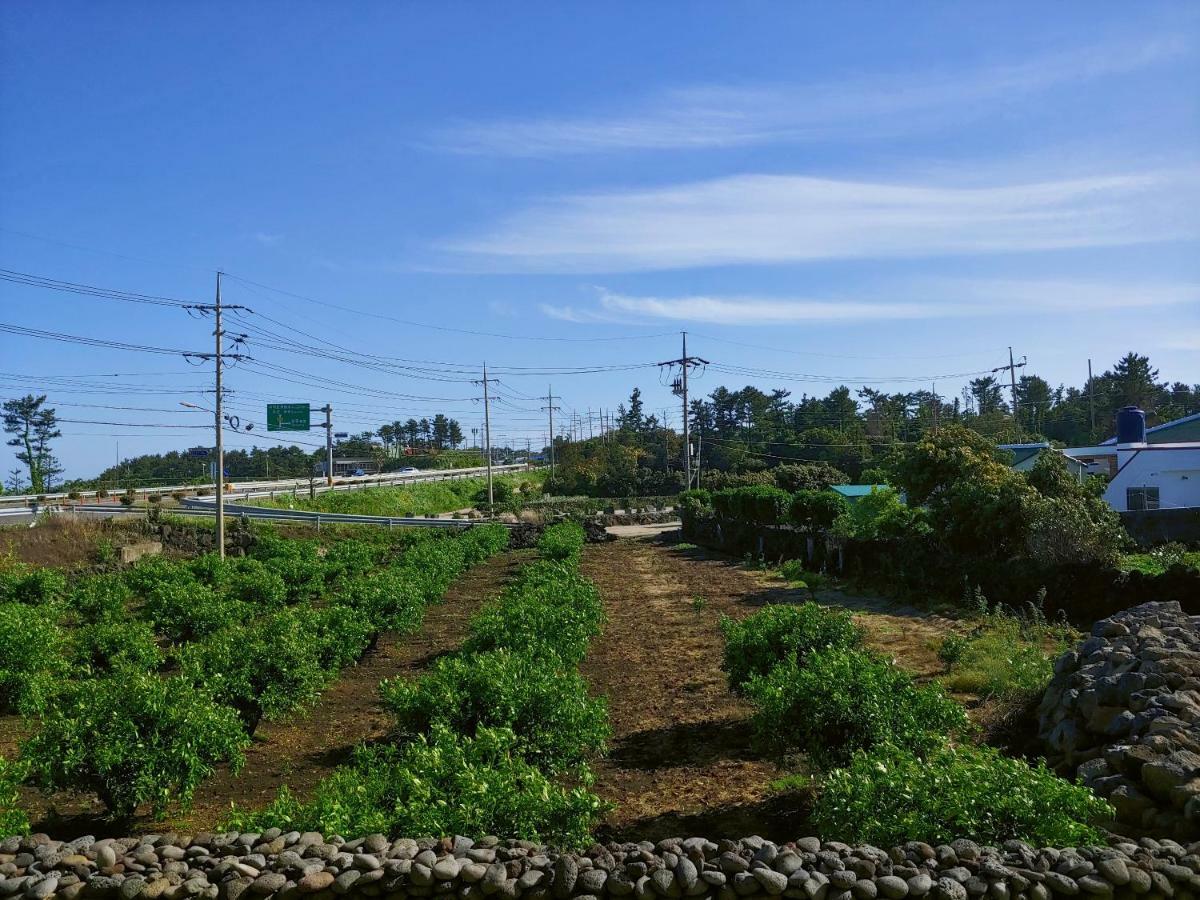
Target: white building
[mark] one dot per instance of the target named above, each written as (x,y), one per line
(1145,475)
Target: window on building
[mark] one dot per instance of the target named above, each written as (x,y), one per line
(1141,498)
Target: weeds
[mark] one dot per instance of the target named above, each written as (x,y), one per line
(1006,655)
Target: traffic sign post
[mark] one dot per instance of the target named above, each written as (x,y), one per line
(288,417)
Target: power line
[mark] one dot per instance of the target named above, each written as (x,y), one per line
(63,337)
(89,290)
(415,324)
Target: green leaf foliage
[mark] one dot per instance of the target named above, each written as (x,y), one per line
(439,784)
(264,670)
(759,504)
(35,586)
(99,596)
(757,643)
(134,738)
(549,610)
(32,657)
(838,701)
(13,820)
(112,643)
(556,723)
(889,796)
(184,609)
(563,541)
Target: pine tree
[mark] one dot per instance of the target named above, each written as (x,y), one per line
(33,427)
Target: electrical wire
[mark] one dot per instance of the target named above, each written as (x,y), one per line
(89,290)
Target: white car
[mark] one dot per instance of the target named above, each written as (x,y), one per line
(408,470)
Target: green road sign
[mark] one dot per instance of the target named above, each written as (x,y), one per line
(287,417)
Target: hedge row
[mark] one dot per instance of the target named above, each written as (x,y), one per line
(142,682)
(492,739)
(895,757)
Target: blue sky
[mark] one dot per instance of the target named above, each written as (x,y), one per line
(857,191)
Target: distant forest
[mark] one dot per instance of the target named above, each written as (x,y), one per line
(738,430)
(747,430)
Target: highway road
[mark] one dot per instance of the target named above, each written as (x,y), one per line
(25,510)
(269,487)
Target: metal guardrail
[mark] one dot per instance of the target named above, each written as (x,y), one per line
(268,487)
(198,508)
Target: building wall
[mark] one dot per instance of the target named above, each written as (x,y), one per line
(1175,472)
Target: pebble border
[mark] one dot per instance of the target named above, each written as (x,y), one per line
(273,864)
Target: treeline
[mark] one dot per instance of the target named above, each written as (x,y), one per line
(748,430)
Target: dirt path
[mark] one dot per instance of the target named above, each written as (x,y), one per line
(680,760)
(304,748)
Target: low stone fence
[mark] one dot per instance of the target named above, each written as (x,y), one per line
(273,864)
(1123,712)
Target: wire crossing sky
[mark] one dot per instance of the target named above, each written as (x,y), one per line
(851,193)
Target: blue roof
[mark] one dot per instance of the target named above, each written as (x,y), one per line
(856,490)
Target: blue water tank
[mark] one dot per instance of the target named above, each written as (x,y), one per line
(1131,425)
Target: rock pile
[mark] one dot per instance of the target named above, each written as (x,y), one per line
(1123,712)
(273,864)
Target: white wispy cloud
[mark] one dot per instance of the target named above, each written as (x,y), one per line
(923,299)
(267,239)
(768,219)
(729,116)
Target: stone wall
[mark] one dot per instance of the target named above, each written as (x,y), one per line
(273,864)
(1123,712)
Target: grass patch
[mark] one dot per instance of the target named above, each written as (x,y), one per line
(421,499)
(1004,656)
(1158,560)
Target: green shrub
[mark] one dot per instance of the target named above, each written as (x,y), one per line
(134,738)
(755,504)
(350,558)
(35,586)
(12,818)
(113,643)
(251,581)
(297,563)
(563,541)
(816,510)
(549,609)
(439,784)
(890,796)
(952,649)
(338,635)
(548,708)
(185,610)
(388,600)
(757,643)
(264,670)
(99,596)
(839,701)
(151,571)
(483,541)
(696,502)
(32,657)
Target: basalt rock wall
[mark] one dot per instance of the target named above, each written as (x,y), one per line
(1123,713)
(273,864)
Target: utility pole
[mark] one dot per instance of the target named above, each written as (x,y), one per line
(219,356)
(328,410)
(680,388)
(487,430)
(1091,404)
(220,480)
(1012,377)
(933,391)
(550,407)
